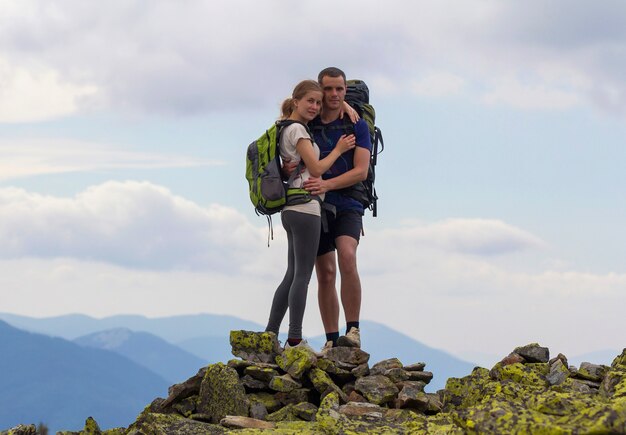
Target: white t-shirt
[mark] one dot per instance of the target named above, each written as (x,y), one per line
(287,148)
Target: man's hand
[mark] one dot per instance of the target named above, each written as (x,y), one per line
(316,186)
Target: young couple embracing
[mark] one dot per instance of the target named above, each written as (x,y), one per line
(322,233)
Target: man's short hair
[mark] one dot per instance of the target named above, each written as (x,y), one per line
(331,71)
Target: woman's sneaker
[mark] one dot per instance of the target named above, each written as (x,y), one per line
(351,339)
(303,345)
(327,346)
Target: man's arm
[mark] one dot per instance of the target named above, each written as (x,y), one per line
(318,186)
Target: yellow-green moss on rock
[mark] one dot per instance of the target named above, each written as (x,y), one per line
(222,393)
(296,361)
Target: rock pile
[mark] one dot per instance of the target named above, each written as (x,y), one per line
(268,386)
(269,390)
(527,392)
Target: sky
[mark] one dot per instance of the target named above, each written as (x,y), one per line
(123,129)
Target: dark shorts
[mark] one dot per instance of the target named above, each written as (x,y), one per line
(345,223)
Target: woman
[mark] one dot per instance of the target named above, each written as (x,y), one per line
(302,221)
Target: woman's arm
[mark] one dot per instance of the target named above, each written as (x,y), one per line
(352,113)
(318,167)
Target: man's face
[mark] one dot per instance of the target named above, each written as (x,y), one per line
(334,92)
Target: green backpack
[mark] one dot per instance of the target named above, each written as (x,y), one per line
(269,191)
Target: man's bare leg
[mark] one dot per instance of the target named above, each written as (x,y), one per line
(326,270)
(350,281)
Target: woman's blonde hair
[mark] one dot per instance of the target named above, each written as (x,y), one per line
(299,91)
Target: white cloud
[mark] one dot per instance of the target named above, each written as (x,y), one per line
(139,224)
(163,57)
(28,157)
(134,224)
(37,94)
(438,85)
(510,92)
(136,248)
(483,237)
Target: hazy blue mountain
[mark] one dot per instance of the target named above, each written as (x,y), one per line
(212,348)
(173,329)
(207,337)
(170,362)
(382,342)
(59,383)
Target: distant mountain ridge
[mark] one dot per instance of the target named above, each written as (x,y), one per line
(168,361)
(57,382)
(206,336)
(173,329)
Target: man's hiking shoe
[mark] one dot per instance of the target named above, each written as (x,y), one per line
(351,339)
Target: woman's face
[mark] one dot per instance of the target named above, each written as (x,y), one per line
(308,107)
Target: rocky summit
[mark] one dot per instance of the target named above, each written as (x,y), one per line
(298,391)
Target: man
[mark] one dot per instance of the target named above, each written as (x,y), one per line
(345,227)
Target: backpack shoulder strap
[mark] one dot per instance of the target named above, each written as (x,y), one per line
(281,124)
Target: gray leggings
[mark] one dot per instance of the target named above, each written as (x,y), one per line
(303,236)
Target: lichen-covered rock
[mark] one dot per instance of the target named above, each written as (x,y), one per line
(354,396)
(257,410)
(620,360)
(296,396)
(179,392)
(171,424)
(415,367)
(350,356)
(614,383)
(296,361)
(524,394)
(599,418)
(559,403)
(260,373)
(286,413)
(435,405)
(114,431)
(222,393)
(528,374)
(238,422)
(387,364)
(241,365)
(360,370)
(422,376)
(533,353)
(284,383)
(253,384)
(363,410)
(255,346)
(512,358)
(466,391)
(504,417)
(561,357)
(592,372)
(397,375)
(377,389)
(321,380)
(331,367)
(21,429)
(306,411)
(328,415)
(558,373)
(269,401)
(412,396)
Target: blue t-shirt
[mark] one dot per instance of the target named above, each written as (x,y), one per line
(326,137)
